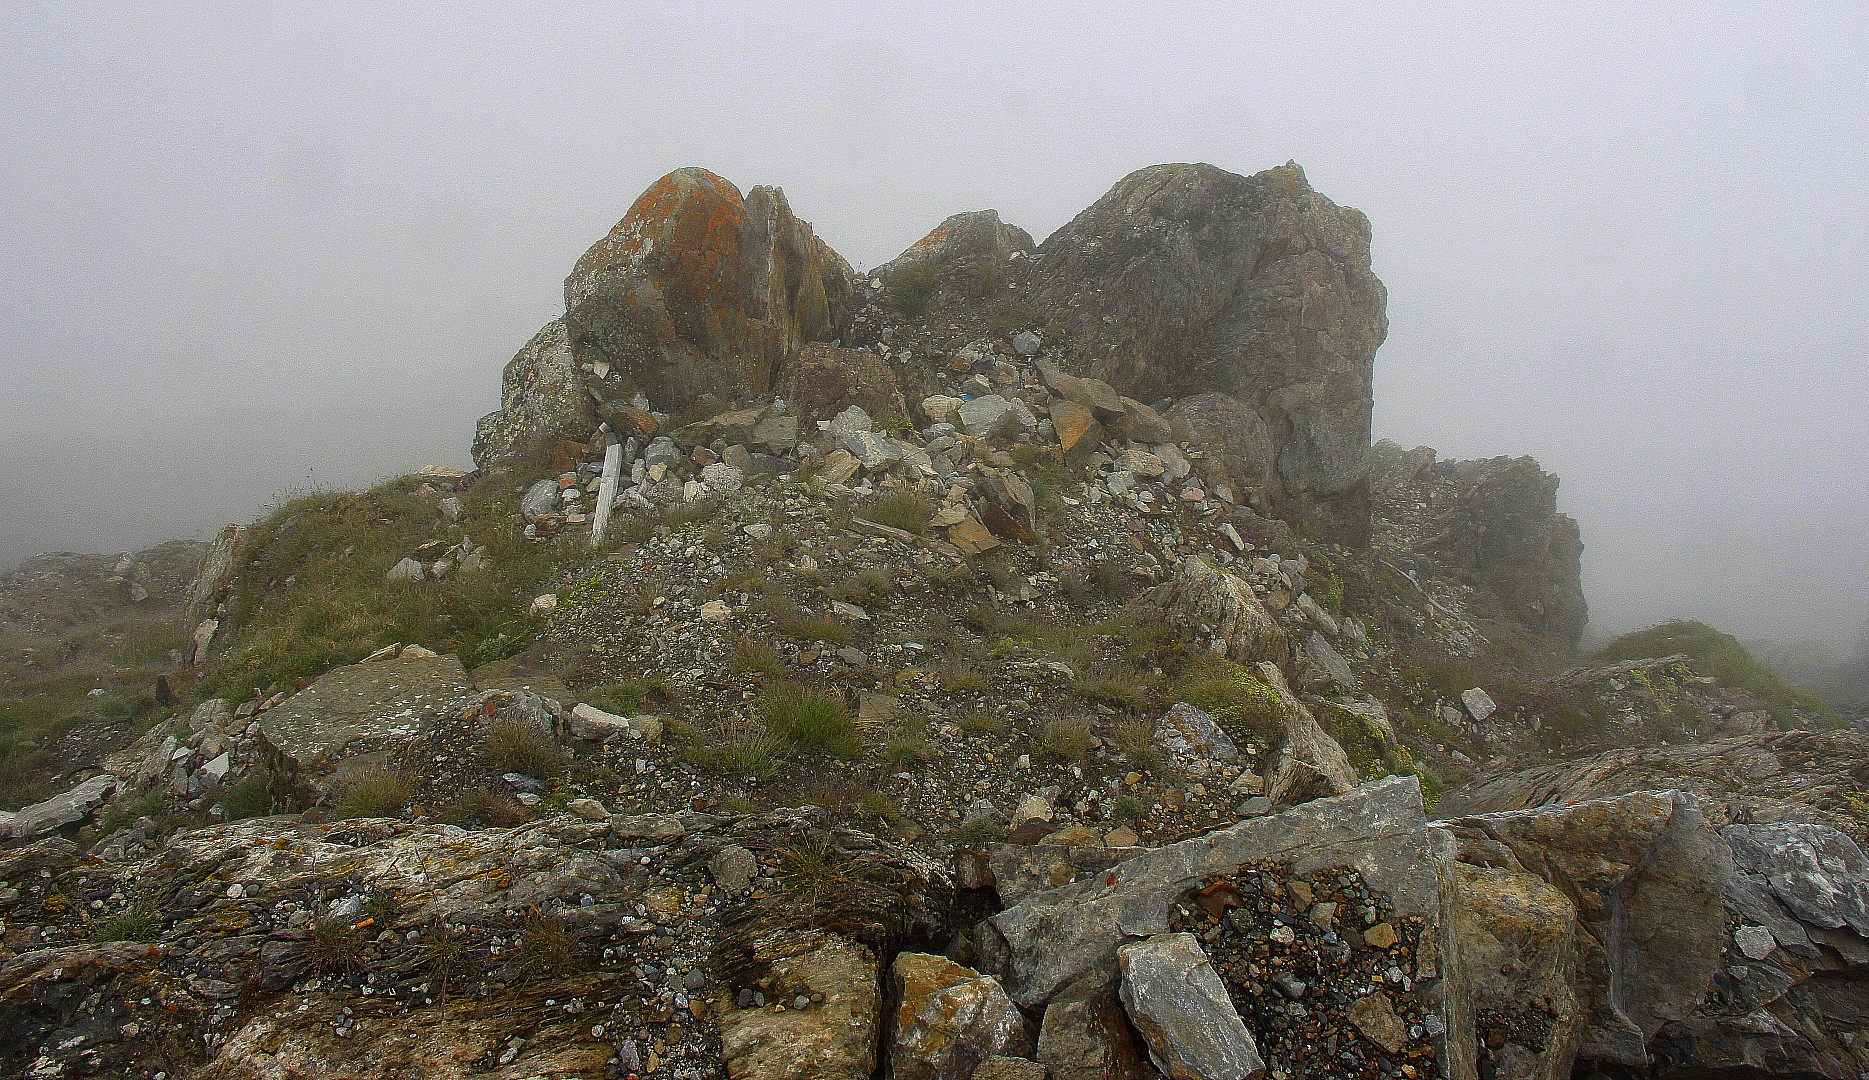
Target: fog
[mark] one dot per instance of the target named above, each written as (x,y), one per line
(248,253)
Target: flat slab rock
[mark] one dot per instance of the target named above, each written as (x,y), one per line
(376,699)
(1050,939)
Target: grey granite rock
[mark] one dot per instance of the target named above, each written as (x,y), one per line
(1175,999)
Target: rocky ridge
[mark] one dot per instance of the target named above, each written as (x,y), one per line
(913,701)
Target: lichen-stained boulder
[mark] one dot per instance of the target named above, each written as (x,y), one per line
(948,1019)
(1085,1035)
(700,290)
(1174,998)
(374,705)
(1494,522)
(542,400)
(1187,279)
(1311,764)
(1047,941)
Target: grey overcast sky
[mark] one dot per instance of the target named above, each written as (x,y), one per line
(249,248)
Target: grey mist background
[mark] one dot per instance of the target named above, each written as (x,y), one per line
(245,252)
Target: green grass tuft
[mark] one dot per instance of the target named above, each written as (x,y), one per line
(522,748)
(810,719)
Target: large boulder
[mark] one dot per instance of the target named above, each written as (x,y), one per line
(542,400)
(834,1040)
(700,290)
(1173,996)
(1187,279)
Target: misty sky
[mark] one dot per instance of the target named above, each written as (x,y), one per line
(245,252)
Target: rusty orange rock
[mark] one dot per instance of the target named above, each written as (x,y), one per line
(702,290)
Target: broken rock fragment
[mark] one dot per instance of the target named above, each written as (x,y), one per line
(1176,1000)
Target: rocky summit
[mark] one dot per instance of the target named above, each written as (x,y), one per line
(1015,662)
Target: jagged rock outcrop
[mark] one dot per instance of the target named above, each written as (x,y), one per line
(1492,523)
(1187,280)
(700,290)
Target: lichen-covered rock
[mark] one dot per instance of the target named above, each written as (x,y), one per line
(1311,765)
(542,400)
(963,258)
(949,1019)
(1049,940)
(1187,279)
(700,290)
(1175,999)
(1643,876)
(1187,735)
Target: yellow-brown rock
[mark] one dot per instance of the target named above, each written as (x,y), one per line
(949,1019)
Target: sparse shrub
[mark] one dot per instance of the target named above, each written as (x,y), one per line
(250,796)
(517,747)
(911,290)
(479,807)
(1064,740)
(375,794)
(137,923)
(334,946)
(903,508)
(546,948)
(975,834)
(809,718)
(1108,578)
(625,698)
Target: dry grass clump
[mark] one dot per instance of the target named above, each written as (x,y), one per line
(903,508)
(521,748)
(872,587)
(1064,740)
(479,807)
(334,946)
(546,948)
(1116,686)
(979,722)
(962,679)
(376,794)
(823,631)
(1133,738)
